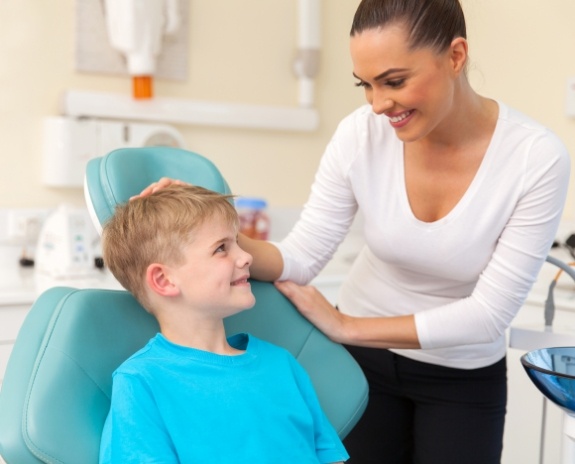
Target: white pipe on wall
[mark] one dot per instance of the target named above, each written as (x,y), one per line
(306,64)
(309,14)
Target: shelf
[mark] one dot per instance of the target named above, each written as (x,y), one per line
(535,337)
(194,112)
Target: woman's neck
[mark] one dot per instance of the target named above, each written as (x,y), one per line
(473,118)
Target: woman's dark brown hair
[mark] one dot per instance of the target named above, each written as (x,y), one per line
(431,23)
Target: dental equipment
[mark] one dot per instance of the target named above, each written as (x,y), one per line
(303,117)
(552,370)
(136,28)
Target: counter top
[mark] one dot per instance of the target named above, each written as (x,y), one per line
(21,286)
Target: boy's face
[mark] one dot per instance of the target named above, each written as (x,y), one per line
(214,277)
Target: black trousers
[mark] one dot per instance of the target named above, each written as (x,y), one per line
(420,413)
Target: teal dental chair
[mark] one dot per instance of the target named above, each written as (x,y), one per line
(56,390)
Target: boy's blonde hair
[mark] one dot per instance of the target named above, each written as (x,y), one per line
(156,229)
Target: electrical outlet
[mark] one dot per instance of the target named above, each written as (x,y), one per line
(24,225)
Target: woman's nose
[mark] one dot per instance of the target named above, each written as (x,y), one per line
(380,102)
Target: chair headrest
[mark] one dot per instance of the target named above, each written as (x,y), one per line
(112,179)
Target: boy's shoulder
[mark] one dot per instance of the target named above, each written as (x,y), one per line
(137,361)
(259,345)
(278,357)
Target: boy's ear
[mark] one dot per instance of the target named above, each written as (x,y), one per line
(158,280)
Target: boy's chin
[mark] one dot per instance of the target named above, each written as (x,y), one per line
(248,304)
(252,304)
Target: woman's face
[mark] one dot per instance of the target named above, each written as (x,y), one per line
(413,88)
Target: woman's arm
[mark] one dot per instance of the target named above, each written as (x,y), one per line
(374,332)
(267,264)
(483,316)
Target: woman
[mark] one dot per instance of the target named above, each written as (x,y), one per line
(462,197)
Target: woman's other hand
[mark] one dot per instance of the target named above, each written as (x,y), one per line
(373,332)
(154,187)
(315,307)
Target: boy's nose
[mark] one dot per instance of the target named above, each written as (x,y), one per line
(245,259)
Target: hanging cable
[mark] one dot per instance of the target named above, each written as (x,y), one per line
(549,315)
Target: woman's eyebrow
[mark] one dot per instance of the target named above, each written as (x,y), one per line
(384,74)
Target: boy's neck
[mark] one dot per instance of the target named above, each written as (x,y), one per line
(201,335)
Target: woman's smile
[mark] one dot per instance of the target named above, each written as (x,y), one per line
(401,119)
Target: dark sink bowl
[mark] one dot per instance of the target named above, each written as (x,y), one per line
(552,370)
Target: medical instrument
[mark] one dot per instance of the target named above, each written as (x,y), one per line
(304,117)
(66,244)
(136,28)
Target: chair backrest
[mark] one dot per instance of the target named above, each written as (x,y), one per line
(57,385)
(56,390)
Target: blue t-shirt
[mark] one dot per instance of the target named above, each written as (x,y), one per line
(174,404)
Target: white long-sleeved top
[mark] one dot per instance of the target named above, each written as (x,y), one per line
(464,276)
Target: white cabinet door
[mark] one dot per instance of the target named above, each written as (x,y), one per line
(11,319)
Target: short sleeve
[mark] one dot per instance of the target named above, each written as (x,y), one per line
(329,447)
(134,431)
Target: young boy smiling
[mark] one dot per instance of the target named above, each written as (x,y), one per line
(192,394)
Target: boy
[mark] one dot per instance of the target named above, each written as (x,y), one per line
(191,395)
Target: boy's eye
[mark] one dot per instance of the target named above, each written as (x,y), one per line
(221,248)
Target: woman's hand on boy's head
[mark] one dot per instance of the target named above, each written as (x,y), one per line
(155,186)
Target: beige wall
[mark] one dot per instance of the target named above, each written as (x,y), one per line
(522,52)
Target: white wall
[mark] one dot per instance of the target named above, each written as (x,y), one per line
(522,52)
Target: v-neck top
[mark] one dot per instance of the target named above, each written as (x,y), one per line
(471,190)
(464,276)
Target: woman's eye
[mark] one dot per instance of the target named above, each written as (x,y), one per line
(395,83)
(362,84)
